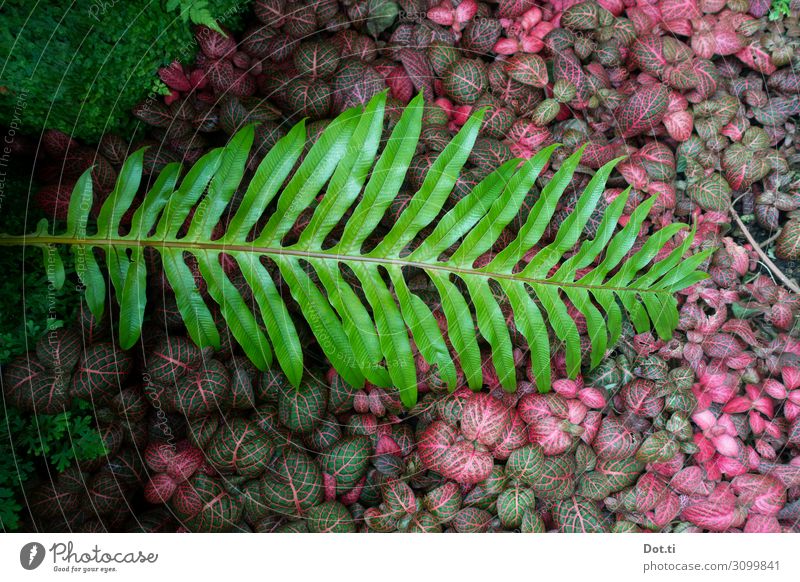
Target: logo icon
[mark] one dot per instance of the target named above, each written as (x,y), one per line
(31,555)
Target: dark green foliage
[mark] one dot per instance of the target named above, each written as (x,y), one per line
(204,391)
(557,477)
(201,430)
(64,62)
(270,385)
(340,395)
(105,493)
(325,434)
(25,318)
(465,80)
(316,58)
(309,98)
(355,83)
(58,439)
(532,523)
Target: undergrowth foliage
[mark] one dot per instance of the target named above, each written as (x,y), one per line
(356,298)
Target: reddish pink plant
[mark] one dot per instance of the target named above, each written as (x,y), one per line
(717,516)
(456,17)
(717,34)
(760,409)
(719,435)
(484,419)
(458,114)
(526,33)
(760,494)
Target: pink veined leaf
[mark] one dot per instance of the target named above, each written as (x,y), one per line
(757,58)
(567,67)
(513,8)
(689,481)
(643,110)
(711,515)
(639,397)
(214,44)
(484,418)
(547,432)
(513,436)
(758,523)
(742,329)
(532,407)
(442,14)
(387,446)
(159,489)
(760,493)
(352,496)
(650,489)
(634,173)
(591,426)
(174,77)
(465,463)
(614,441)
(670,467)
(722,345)
(791,377)
(434,442)
(648,53)
(707,79)
(675,9)
(667,510)
(464,12)
(528,69)
(398,497)
(592,397)
(644,17)
(419,71)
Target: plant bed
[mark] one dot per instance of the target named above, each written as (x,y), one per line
(351,398)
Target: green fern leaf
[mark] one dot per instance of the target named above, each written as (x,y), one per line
(368,320)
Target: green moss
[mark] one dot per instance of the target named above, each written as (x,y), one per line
(81,67)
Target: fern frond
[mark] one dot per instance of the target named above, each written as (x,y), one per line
(369,326)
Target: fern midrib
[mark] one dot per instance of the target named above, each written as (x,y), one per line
(32,240)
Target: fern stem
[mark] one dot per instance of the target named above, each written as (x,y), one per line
(125,243)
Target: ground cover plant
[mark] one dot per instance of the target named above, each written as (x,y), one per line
(80,68)
(225,402)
